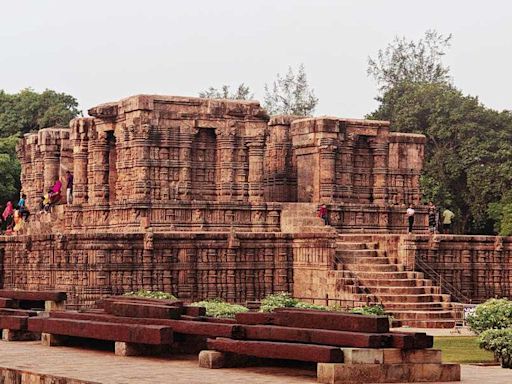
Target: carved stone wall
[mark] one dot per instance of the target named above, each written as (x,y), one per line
(234,266)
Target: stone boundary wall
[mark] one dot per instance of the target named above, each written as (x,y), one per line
(234,266)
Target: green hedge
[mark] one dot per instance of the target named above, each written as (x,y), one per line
(493,314)
(220,308)
(284,300)
(498,341)
(151,294)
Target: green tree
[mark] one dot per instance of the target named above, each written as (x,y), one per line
(411,61)
(24,112)
(28,111)
(290,95)
(242,92)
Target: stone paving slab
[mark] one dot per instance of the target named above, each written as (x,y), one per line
(105,367)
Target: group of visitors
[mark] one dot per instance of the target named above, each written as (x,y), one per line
(13,219)
(438,222)
(435,219)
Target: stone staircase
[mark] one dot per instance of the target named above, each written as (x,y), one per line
(368,273)
(302,218)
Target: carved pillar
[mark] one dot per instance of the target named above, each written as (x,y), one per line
(142,163)
(327,170)
(226,154)
(100,169)
(183,189)
(346,151)
(380,161)
(80,130)
(255,178)
(51,163)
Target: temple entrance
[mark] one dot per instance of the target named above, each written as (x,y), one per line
(204,165)
(112,167)
(362,178)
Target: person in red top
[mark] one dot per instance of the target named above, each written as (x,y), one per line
(55,192)
(322,213)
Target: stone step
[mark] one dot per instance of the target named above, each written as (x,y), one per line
(302,221)
(366,274)
(378,290)
(397,282)
(430,306)
(437,323)
(361,252)
(364,260)
(421,315)
(360,267)
(419,298)
(341,245)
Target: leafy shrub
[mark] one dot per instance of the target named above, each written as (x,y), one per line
(375,310)
(284,300)
(498,341)
(151,294)
(493,314)
(219,308)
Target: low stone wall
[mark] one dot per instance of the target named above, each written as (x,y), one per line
(234,266)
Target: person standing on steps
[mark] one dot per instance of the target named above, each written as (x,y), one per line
(432,217)
(410,217)
(322,213)
(69,188)
(447,220)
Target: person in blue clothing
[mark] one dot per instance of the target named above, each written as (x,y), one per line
(22,206)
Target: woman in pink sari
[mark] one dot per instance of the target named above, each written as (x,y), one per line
(7,216)
(55,192)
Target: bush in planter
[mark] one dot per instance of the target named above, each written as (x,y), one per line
(498,341)
(151,294)
(493,314)
(375,310)
(284,300)
(220,308)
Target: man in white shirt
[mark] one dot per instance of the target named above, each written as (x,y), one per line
(410,217)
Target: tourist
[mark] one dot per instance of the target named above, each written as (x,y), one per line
(69,188)
(7,217)
(322,213)
(447,220)
(46,202)
(55,192)
(22,206)
(432,217)
(410,217)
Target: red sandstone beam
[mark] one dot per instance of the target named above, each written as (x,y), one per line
(186,327)
(311,336)
(137,299)
(17,312)
(16,323)
(338,321)
(6,303)
(411,340)
(273,350)
(33,295)
(130,333)
(143,310)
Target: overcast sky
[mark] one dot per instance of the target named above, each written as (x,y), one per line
(101,51)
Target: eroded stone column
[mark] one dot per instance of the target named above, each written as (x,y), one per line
(380,153)
(225,149)
(327,165)
(255,178)
(79,137)
(100,169)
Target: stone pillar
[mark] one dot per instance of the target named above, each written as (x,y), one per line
(51,159)
(346,167)
(142,164)
(327,169)
(225,150)
(80,129)
(100,169)
(183,191)
(255,146)
(380,160)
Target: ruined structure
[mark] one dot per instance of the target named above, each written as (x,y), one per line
(212,198)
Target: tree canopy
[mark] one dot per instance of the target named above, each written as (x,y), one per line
(290,95)
(242,92)
(24,112)
(468,163)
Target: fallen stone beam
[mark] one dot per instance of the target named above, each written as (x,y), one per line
(411,340)
(16,323)
(143,310)
(7,303)
(136,299)
(317,319)
(33,295)
(17,312)
(185,327)
(130,333)
(313,336)
(273,350)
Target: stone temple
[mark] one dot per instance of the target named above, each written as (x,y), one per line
(213,198)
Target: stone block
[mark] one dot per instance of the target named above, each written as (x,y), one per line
(336,373)
(52,340)
(122,348)
(50,305)
(212,359)
(390,355)
(15,335)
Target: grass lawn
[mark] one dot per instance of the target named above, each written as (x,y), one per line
(462,349)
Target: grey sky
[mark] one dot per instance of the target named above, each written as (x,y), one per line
(101,51)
